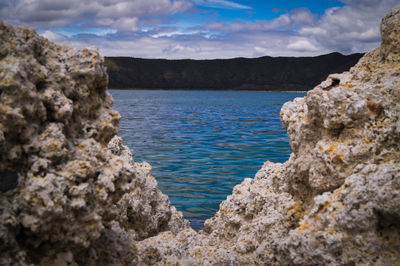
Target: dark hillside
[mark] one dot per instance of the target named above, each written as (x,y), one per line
(264,73)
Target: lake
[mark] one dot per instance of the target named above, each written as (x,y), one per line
(202,143)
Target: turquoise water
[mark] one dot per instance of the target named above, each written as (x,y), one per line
(202,143)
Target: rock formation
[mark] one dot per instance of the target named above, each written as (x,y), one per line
(68,193)
(71,194)
(336,201)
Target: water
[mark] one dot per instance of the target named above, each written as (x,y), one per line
(202,143)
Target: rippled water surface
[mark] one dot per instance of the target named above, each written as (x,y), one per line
(202,143)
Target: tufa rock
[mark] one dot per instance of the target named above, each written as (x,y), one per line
(336,201)
(390,48)
(80,199)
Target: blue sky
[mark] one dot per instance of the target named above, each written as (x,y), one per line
(205,29)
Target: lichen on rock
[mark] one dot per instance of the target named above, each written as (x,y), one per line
(336,201)
(70,191)
(72,194)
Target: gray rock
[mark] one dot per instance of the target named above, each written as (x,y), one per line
(80,198)
(336,201)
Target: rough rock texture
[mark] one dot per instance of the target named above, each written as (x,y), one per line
(336,201)
(71,194)
(68,193)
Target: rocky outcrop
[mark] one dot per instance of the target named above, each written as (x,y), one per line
(336,201)
(71,194)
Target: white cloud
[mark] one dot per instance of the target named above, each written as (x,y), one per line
(302,45)
(351,28)
(174,33)
(196,45)
(58,13)
(54,37)
(221,4)
(139,8)
(294,19)
(127,24)
(117,28)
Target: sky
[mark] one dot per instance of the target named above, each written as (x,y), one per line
(205,29)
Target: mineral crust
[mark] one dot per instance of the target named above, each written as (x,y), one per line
(336,201)
(72,195)
(70,192)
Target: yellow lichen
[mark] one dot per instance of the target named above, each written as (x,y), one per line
(304,118)
(197,254)
(297,210)
(366,140)
(303,226)
(327,205)
(348,85)
(332,148)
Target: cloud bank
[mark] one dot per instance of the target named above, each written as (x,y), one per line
(118,14)
(164,28)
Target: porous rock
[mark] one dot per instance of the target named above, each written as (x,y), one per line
(336,201)
(70,191)
(80,199)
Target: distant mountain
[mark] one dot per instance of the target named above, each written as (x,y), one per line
(264,73)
